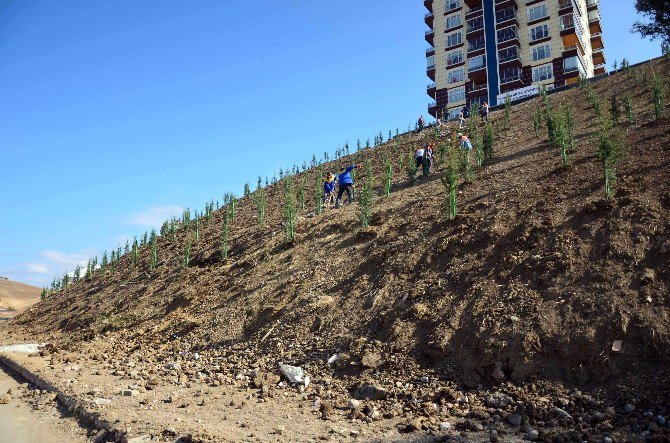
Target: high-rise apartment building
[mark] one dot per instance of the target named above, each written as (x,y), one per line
(484,50)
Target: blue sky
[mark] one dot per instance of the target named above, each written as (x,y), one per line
(116,114)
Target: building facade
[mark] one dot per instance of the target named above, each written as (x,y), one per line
(485,50)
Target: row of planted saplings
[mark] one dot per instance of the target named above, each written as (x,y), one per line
(110,262)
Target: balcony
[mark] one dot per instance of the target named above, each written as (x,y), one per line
(430,72)
(600,69)
(432,109)
(430,89)
(475,89)
(428,4)
(475,12)
(474,27)
(598,56)
(594,22)
(473,4)
(592,5)
(477,70)
(430,52)
(428,18)
(430,35)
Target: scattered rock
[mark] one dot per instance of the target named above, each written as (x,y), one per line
(5,399)
(173,366)
(130,392)
(629,408)
(265,379)
(498,400)
(354,404)
(515,420)
(372,360)
(371,392)
(445,426)
(294,374)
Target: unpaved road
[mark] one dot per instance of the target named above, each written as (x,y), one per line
(20,424)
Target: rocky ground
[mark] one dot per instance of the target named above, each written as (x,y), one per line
(540,313)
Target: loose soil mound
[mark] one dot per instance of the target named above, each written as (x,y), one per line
(18,296)
(532,283)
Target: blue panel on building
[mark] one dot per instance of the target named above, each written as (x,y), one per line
(491,51)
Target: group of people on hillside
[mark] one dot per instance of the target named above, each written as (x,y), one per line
(343,183)
(465,113)
(336,185)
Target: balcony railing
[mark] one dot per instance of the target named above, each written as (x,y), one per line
(476,46)
(510,79)
(430,86)
(432,105)
(472,27)
(475,88)
(474,11)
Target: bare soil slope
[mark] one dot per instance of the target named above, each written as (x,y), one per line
(531,284)
(18,296)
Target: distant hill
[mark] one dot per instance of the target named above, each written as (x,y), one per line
(18,296)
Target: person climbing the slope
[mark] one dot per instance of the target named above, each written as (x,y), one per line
(466,144)
(428,154)
(346,184)
(420,123)
(329,189)
(485,112)
(418,157)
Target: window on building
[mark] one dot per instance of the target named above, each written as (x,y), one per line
(454,39)
(475,23)
(541,52)
(454,20)
(537,12)
(455,76)
(510,74)
(477,43)
(567,22)
(476,63)
(508,54)
(508,33)
(542,73)
(453,113)
(456,95)
(539,32)
(451,5)
(455,57)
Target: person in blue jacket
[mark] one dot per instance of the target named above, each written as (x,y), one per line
(329,189)
(346,184)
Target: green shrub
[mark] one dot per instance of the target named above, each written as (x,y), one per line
(289,210)
(225,248)
(488,142)
(612,148)
(658,96)
(615,112)
(628,109)
(450,182)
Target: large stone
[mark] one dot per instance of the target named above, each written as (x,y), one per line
(371,392)
(5,399)
(372,360)
(498,400)
(515,420)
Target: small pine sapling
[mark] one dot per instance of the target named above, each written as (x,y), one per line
(388,169)
(537,121)
(615,112)
(628,109)
(658,96)
(154,254)
(289,210)
(410,167)
(488,142)
(366,197)
(318,191)
(450,182)
(247,190)
(197,229)
(187,254)
(225,248)
(612,148)
(261,205)
(302,192)
(135,251)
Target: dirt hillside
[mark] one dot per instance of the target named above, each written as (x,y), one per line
(18,296)
(525,292)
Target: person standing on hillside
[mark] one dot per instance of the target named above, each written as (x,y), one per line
(420,123)
(428,158)
(466,144)
(345,183)
(418,157)
(485,112)
(329,189)
(461,119)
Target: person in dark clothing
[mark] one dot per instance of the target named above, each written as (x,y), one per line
(346,184)
(420,123)
(329,189)
(466,111)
